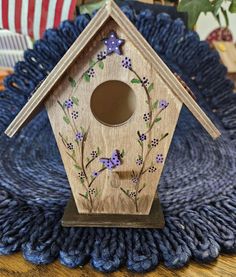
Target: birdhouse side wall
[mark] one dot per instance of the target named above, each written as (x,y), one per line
(113,169)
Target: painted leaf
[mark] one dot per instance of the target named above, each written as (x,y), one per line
(66,119)
(72,82)
(151,87)
(140,142)
(135,81)
(86,77)
(155,105)
(91,63)
(194,8)
(164,136)
(101,64)
(157,119)
(77,167)
(86,197)
(75,100)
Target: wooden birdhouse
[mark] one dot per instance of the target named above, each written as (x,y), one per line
(113,106)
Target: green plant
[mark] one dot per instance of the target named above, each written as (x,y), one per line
(195,7)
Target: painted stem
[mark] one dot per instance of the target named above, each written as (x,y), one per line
(153,122)
(89,162)
(146,91)
(91,182)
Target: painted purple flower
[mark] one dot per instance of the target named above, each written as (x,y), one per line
(102,55)
(145,82)
(70,146)
(94,154)
(68,103)
(146,116)
(139,161)
(74,114)
(81,175)
(95,174)
(154,142)
(163,104)
(142,137)
(159,158)
(132,194)
(79,136)
(92,191)
(152,169)
(126,63)
(135,179)
(91,72)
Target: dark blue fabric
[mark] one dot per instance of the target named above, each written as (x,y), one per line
(197,188)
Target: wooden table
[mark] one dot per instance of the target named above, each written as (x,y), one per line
(16,266)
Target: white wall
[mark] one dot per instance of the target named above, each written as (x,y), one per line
(207,23)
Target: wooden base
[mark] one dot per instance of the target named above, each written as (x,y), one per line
(72,218)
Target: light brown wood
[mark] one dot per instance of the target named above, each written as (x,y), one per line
(111,10)
(227,52)
(16,266)
(104,195)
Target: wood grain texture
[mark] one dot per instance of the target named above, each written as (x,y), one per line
(103,196)
(111,10)
(16,266)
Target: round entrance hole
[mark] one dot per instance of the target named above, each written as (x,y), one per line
(113,103)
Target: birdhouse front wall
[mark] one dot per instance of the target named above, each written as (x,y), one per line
(113,117)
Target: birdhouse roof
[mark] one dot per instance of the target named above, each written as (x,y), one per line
(110,11)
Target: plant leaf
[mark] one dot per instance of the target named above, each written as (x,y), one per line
(194,8)
(66,119)
(75,100)
(232,7)
(151,87)
(101,64)
(224,12)
(135,81)
(86,77)
(91,7)
(216,6)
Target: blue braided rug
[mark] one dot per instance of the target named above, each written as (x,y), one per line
(197,189)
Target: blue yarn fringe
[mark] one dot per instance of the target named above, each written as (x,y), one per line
(197,188)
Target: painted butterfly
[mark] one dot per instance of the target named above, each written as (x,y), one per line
(113,162)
